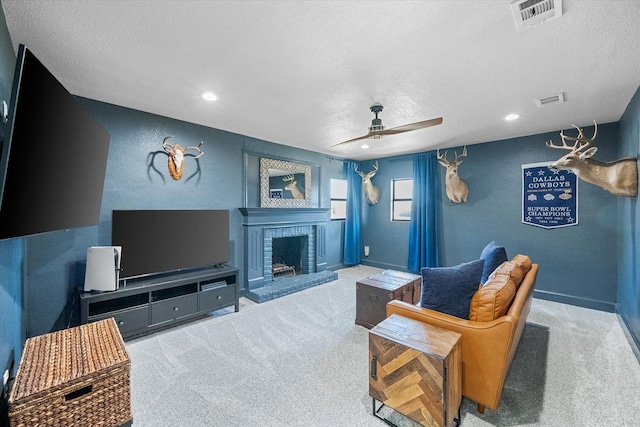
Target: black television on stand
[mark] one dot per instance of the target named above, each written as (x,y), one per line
(54,156)
(165,241)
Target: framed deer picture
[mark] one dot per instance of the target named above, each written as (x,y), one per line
(284,184)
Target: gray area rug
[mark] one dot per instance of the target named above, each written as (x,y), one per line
(301,361)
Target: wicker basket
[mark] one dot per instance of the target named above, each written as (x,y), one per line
(75,377)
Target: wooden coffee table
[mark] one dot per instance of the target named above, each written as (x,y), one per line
(416,369)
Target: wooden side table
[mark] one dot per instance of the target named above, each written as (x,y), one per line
(416,369)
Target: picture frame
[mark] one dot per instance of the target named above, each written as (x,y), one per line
(284,184)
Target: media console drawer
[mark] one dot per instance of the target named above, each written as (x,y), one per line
(128,320)
(217,298)
(174,308)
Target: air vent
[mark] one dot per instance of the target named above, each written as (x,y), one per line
(528,13)
(550,100)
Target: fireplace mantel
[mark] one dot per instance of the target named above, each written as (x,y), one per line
(283,216)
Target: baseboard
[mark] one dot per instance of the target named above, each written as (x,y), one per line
(634,341)
(573,300)
(336,267)
(384,265)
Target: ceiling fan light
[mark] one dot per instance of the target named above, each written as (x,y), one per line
(209,96)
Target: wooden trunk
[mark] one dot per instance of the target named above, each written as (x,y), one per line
(374,292)
(415,278)
(415,369)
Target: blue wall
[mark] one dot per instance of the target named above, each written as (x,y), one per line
(11,251)
(137,178)
(388,241)
(577,263)
(11,261)
(629,248)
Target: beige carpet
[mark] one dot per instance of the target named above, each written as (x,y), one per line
(301,361)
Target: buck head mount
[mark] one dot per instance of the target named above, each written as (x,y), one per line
(619,177)
(177,155)
(456,188)
(293,187)
(371,191)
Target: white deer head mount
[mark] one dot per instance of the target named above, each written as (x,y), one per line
(456,188)
(177,156)
(619,177)
(372,192)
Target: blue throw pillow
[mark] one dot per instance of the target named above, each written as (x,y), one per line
(450,289)
(493,255)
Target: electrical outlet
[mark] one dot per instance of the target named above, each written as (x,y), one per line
(8,369)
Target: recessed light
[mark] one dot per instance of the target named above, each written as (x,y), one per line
(209,96)
(364,146)
(512,117)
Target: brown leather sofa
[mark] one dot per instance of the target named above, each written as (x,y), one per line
(498,314)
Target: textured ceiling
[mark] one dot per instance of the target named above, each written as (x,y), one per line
(305,73)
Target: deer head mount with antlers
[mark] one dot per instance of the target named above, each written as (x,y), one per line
(456,188)
(371,191)
(293,187)
(619,177)
(177,155)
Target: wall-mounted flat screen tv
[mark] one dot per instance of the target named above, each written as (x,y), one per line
(54,156)
(161,241)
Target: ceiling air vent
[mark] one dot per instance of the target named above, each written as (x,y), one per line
(528,13)
(550,100)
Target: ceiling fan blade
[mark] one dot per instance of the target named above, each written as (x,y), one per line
(411,126)
(354,139)
(398,129)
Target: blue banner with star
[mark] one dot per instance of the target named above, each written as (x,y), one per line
(549,198)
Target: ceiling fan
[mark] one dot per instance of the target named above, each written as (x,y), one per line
(377,130)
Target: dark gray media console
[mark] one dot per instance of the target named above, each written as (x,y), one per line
(148,304)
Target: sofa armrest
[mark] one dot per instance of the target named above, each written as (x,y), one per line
(499,329)
(485,349)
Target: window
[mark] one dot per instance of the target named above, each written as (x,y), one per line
(338,199)
(401,193)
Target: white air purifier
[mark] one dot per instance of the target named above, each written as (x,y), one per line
(103,268)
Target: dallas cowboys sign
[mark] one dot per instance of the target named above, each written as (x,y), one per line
(549,198)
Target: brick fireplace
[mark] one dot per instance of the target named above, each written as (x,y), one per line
(297,237)
(291,246)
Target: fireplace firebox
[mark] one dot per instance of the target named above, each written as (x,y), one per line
(289,256)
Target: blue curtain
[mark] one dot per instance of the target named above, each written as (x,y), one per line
(423,229)
(352,245)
